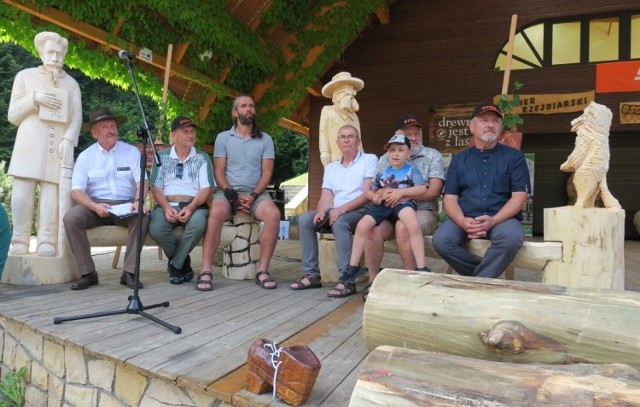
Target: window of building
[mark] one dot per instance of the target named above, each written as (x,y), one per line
(589,39)
(635,37)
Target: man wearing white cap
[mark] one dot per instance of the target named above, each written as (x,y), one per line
(342,90)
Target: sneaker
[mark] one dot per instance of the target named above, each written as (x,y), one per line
(175,275)
(187,271)
(351,272)
(423,269)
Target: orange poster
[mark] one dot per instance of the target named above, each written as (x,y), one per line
(618,77)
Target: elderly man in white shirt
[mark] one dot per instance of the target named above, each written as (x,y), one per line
(341,205)
(106,173)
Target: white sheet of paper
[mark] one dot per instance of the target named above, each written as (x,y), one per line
(122,210)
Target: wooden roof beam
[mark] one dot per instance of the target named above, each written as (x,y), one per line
(383,14)
(99,36)
(211,98)
(180,51)
(293,126)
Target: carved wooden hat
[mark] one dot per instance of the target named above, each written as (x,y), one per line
(340,80)
(100,114)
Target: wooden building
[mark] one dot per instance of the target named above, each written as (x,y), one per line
(434,53)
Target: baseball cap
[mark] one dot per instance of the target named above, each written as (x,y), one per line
(407,120)
(484,107)
(398,139)
(180,122)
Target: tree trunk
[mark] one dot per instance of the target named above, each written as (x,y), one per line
(500,320)
(394,376)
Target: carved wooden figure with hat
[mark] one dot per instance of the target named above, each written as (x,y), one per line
(342,90)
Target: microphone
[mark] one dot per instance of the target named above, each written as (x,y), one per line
(126,55)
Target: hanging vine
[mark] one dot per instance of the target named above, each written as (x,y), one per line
(209,30)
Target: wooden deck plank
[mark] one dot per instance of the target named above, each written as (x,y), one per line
(237,356)
(235,381)
(226,320)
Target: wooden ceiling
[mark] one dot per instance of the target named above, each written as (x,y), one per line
(183,80)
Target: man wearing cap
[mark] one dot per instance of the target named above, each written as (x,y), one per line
(429,163)
(342,90)
(485,191)
(181,187)
(342,203)
(106,173)
(45,105)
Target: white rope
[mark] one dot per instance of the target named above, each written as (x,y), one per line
(275,355)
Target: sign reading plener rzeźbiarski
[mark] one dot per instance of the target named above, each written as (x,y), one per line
(553,103)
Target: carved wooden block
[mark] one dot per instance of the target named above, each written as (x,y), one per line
(592,247)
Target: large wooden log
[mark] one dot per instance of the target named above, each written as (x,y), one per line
(500,320)
(393,376)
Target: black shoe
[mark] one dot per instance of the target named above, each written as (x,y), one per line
(85,281)
(175,274)
(187,271)
(423,269)
(351,272)
(129,280)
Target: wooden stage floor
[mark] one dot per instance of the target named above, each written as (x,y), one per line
(218,326)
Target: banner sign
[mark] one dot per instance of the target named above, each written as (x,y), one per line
(553,103)
(618,77)
(449,127)
(629,112)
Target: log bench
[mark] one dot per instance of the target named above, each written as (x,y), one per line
(532,255)
(238,242)
(396,376)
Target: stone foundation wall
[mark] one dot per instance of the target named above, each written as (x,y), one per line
(62,374)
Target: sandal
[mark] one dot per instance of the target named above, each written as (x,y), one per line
(365,292)
(312,282)
(209,283)
(345,291)
(262,283)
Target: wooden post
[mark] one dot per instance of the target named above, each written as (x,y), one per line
(394,376)
(507,64)
(592,247)
(501,320)
(165,91)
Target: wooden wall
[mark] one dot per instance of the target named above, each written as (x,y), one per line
(437,52)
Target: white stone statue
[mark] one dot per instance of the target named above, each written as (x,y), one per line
(45,105)
(590,157)
(342,90)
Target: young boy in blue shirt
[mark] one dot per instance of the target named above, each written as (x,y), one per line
(398,175)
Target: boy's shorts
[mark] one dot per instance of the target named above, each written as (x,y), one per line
(381,213)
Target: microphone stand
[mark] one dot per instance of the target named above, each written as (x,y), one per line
(135,304)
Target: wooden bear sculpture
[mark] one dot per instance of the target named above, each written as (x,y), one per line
(294,369)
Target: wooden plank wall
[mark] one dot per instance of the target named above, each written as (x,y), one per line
(434,53)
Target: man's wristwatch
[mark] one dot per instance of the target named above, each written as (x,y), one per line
(254,195)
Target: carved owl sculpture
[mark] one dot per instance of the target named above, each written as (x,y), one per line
(589,160)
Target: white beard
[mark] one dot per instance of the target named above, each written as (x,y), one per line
(55,75)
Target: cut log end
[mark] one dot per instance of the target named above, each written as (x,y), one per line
(514,337)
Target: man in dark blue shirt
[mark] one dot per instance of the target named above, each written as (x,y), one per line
(484,193)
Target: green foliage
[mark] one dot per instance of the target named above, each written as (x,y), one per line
(5,188)
(292,156)
(253,56)
(510,120)
(12,390)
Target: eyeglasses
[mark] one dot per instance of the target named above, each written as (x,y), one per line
(179,170)
(349,137)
